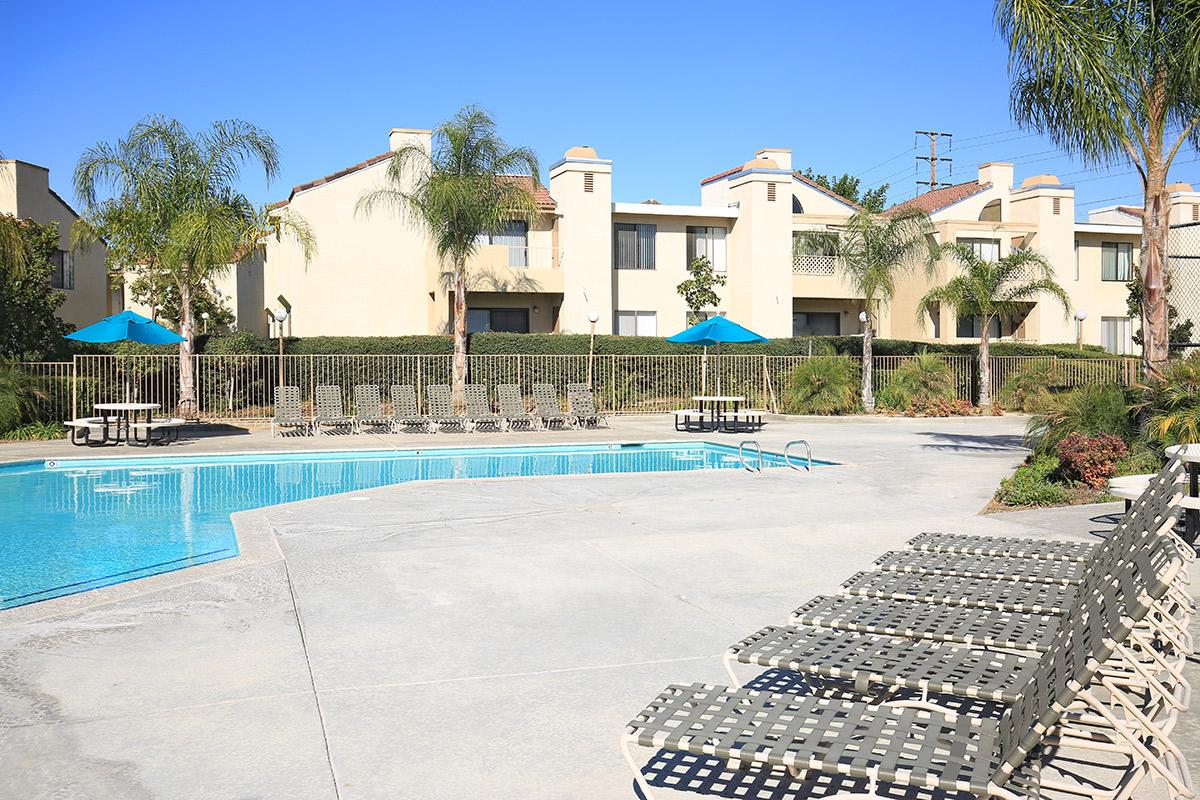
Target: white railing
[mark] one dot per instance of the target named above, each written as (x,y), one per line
(805,264)
(534,257)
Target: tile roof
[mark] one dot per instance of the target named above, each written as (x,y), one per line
(940,198)
(798,176)
(544,201)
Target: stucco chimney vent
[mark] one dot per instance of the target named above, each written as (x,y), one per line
(589,182)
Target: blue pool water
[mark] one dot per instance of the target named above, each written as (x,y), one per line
(70,526)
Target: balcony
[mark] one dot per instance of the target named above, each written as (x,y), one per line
(505,268)
(810,264)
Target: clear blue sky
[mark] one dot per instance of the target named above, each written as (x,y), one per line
(671,93)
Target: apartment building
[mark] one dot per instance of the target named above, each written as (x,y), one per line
(588,256)
(25,193)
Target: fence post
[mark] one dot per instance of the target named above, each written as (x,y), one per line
(74,386)
(612,384)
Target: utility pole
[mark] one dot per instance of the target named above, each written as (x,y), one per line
(933,158)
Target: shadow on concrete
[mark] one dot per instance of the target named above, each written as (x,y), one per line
(973,442)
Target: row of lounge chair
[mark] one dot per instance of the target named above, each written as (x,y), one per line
(961,664)
(370,416)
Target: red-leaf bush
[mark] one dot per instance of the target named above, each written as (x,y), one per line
(1091,460)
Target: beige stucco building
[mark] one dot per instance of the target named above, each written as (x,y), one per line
(25,193)
(588,257)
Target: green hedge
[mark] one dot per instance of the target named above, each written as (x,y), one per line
(246,343)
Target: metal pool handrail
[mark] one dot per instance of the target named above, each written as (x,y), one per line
(787,457)
(742,455)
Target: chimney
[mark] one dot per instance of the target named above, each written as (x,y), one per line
(997,173)
(780,155)
(399,137)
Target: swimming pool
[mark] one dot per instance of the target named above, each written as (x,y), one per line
(74,525)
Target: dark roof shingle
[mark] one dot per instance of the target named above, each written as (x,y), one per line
(929,202)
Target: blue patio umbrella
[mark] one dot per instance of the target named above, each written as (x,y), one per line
(126,327)
(713,331)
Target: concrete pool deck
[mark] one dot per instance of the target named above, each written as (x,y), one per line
(487,638)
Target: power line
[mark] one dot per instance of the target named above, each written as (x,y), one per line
(888,161)
(986,135)
(998,141)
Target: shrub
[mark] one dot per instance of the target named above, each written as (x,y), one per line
(1091,460)
(35,431)
(1090,410)
(923,381)
(1031,484)
(1170,403)
(19,391)
(243,342)
(822,385)
(1029,388)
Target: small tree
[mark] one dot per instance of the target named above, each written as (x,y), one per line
(850,187)
(990,290)
(700,290)
(458,193)
(872,251)
(28,325)
(1179,331)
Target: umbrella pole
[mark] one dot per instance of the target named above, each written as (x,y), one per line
(704,371)
(718,369)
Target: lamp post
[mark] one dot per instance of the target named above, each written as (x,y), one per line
(280,315)
(1080,316)
(593,318)
(204,316)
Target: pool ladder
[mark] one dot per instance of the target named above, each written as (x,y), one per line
(787,455)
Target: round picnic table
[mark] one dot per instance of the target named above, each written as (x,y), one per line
(126,413)
(717,404)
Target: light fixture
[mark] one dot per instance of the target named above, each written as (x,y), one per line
(204,315)
(862,317)
(593,317)
(1081,315)
(280,314)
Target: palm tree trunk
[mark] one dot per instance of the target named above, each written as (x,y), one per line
(868,364)
(460,332)
(187,349)
(1155,228)
(985,368)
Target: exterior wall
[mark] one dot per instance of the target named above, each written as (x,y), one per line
(1099,298)
(540,306)
(585,236)
(25,192)
(372,275)
(762,252)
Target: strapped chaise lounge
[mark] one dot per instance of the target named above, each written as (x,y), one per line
(330,412)
(405,413)
(287,411)
(479,409)
(1125,581)
(368,410)
(582,404)
(548,410)
(512,407)
(441,408)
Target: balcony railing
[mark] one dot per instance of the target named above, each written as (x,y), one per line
(806,264)
(525,257)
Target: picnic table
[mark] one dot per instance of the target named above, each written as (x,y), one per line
(126,414)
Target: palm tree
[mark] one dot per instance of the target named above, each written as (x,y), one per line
(872,251)
(172,210)
(1105,79)
(459,192)
(12,244)
(990,290)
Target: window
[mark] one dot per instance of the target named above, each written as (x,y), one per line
(515,237)
(62,273)
(816,323)
(972,328)
(706,242)
(1116,261)
(797,206)
(637,323)
(1116,335)
(500,320)
(986,249)
(633,246)
(1076,259)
